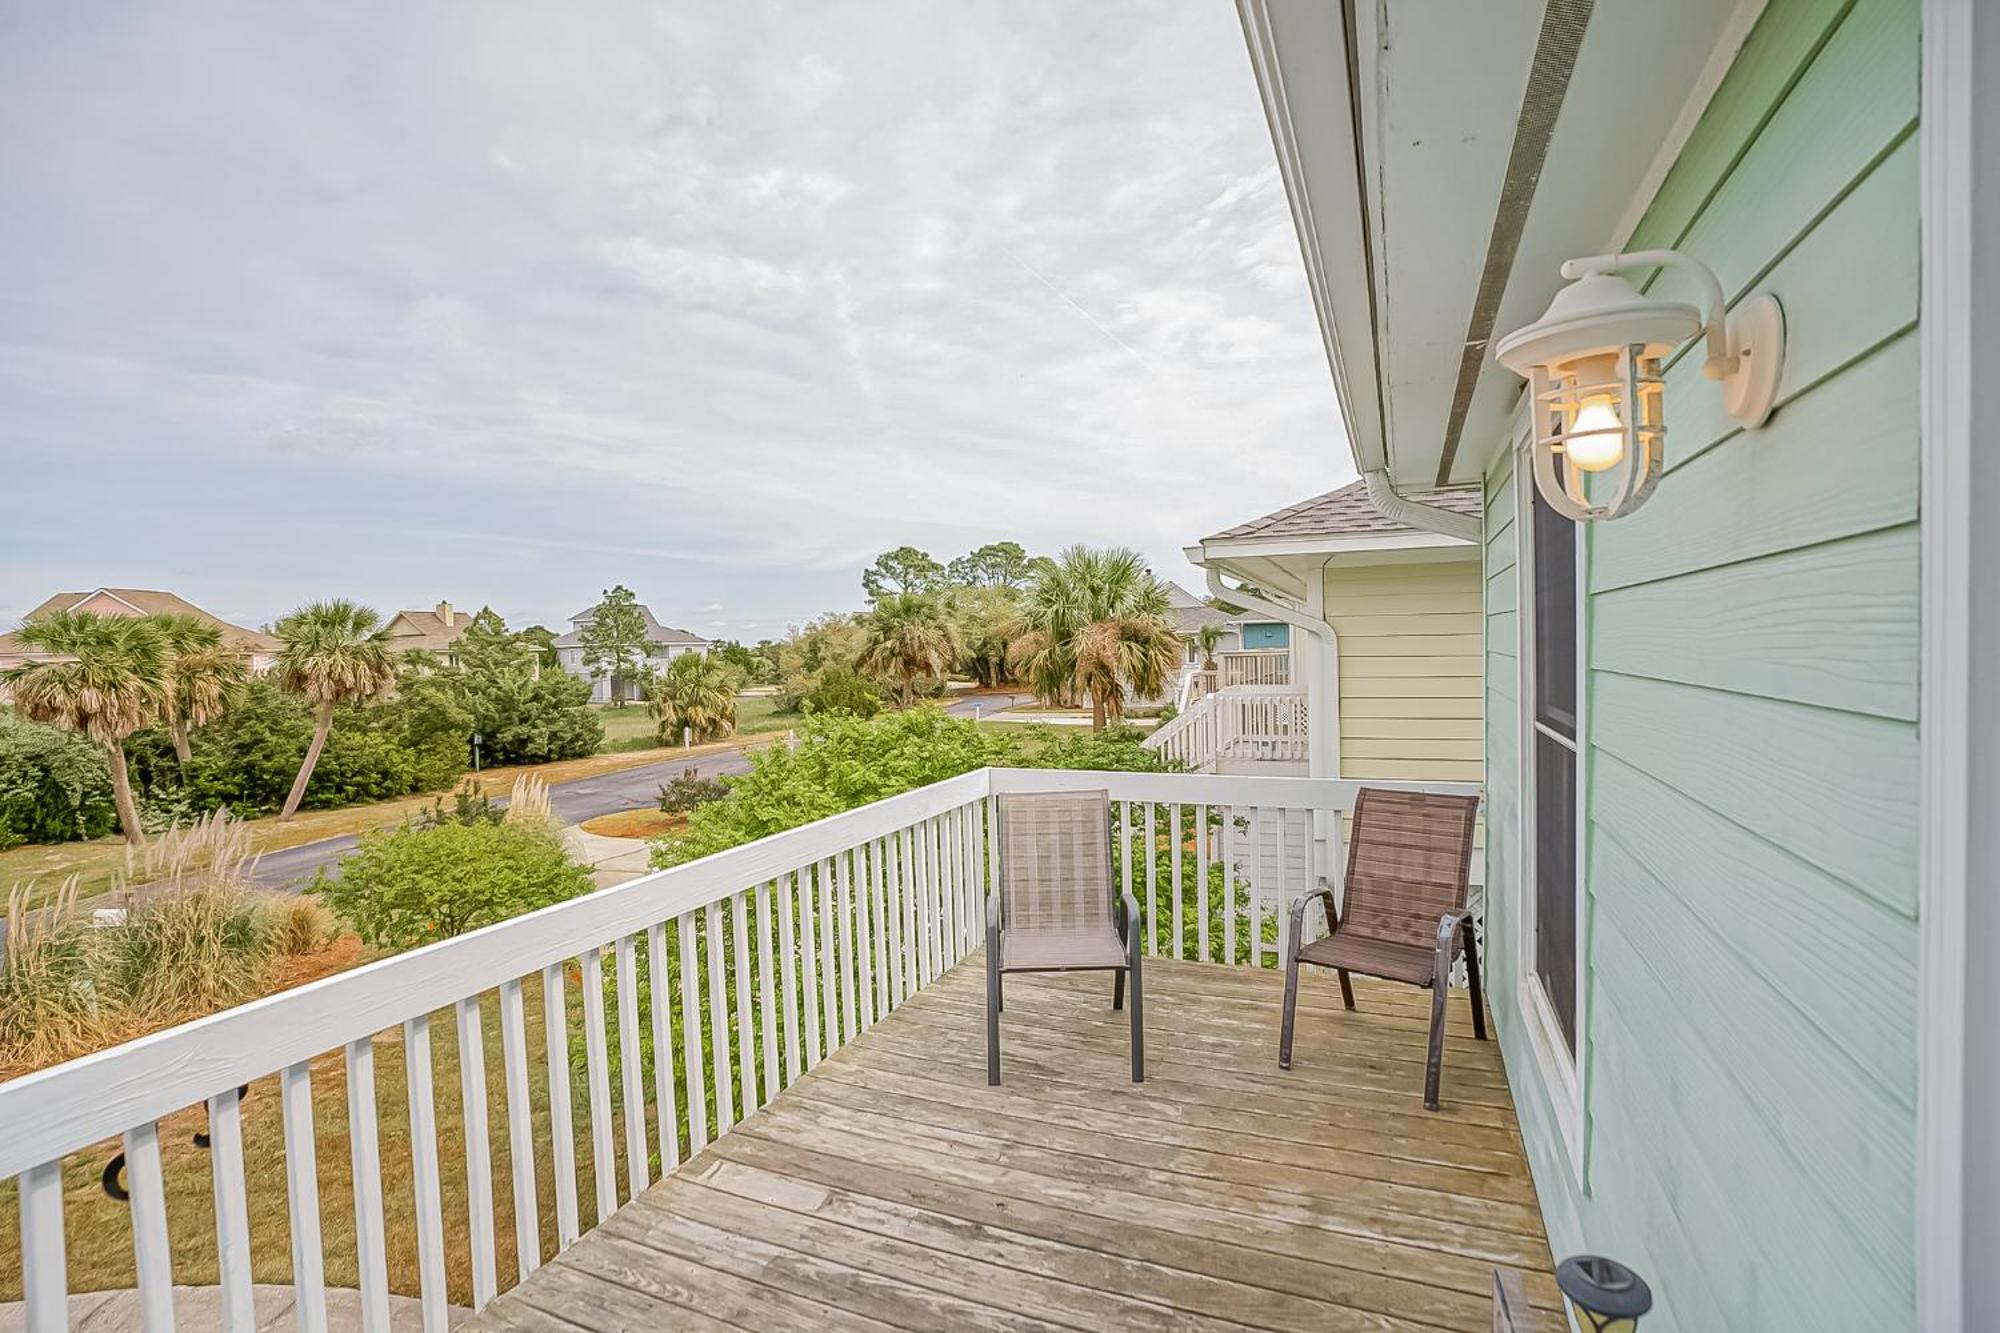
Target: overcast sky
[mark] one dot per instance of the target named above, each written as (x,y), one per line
(504,304)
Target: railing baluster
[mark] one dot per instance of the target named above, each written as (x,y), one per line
(947,861)
(424,1175)
(1256,878)
(1284,870)
(808,963)
(1147,909)
(767,996)
(520,1127)
(1229,885)
(562,1130)
(934,897)
(1201,870)
(718,1019)
(371,1247)
(302,1191)
(478,1159)
(899,925)
(1174,840)
(668,1108)
(868,868)
(232,1211)
(44,1279)
(631,1066)
(829,986)
(691,1039)
(1125,836)
(969,843)
(597,1078)
(147,1185)
(992,884)
(787,889)
(844,885)
(746,1025)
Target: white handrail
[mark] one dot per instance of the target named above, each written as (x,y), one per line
(871,905)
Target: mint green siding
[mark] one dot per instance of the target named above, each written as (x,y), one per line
(1750,775)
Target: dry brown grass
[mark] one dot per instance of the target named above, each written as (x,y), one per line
(634,824)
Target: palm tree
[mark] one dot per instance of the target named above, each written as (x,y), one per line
(1208,638)
(107,680)
(333,653)
(697,692)
(203,677)
(910,637)
(1096,624)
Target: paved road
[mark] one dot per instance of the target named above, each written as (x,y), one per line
(574,802)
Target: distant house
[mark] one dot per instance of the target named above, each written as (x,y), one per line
(259,649)
(435,631)
(1240,633)
(668,642)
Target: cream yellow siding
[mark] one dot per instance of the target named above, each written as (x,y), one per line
(1410,651)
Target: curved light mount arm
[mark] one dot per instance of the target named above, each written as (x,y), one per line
(1722,357)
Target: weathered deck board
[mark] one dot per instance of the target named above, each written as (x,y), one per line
(891,1187)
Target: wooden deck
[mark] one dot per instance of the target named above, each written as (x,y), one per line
(891,1187)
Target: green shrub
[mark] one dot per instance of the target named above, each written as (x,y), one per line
(246,760)
(413,884)
(1118,748)
(522,715)
(833,689)
(53,785)
(689,790)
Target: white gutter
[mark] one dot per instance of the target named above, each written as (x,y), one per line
(1416,514)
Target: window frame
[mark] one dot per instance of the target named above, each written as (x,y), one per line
(1562,1069)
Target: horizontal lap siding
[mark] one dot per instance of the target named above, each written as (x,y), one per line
(1410,642)
(1751,783)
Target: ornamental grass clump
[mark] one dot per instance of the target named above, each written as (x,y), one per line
(194,936)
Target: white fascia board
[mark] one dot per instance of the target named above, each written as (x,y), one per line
(1265,548)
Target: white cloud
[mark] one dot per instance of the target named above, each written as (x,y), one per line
(724,299)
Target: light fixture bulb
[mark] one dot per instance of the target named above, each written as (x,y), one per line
(1596,439)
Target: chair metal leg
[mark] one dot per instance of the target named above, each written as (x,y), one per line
(1291,1011)
(1138,1025)
(993,1006)
(1346,990)
(1472,983)
(1434,1061)
(1118,989)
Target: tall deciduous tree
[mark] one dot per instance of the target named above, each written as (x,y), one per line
(905,569)
(994,565)
(203,678)
(332,653)
(614,639)
(910,638)
(107,678)
(1097,624)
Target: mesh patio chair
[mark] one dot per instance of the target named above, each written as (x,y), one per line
(1406,920)
(1054,910)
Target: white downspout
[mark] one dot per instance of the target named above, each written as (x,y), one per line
(1415,513)
(1322,683)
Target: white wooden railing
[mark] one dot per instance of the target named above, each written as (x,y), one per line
(1255,666)
(1247,722)
(764,959)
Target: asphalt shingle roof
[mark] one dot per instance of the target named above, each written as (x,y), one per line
(1347,512)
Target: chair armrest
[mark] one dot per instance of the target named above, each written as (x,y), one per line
(1295,937)
(1449,926)
(1128,907)
(992,911)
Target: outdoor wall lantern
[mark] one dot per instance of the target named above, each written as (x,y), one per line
(1607,1296)
(1593,365)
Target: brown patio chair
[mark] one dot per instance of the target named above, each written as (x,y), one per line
(1407,864)
(1054,910)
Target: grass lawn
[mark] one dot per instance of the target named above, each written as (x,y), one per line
(97,864)
(632,728)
